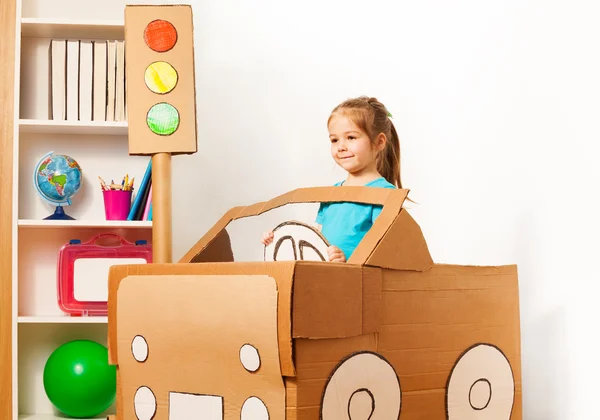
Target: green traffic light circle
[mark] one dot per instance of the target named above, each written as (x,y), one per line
(162,119)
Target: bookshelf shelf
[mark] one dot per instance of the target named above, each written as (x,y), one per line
(49,417)
(100,224)
(71,28)
(116,128)
(62,319)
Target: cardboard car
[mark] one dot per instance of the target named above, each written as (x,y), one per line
(387,335)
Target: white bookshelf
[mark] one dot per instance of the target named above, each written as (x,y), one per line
(101,149)
(70,224)
(111,128)
(62,319)
(72,28)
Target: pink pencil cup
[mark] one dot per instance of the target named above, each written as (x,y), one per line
(117,204)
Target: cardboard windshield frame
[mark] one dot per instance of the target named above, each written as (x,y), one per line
(366,252)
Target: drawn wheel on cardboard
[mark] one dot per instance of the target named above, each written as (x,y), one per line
(295,240)
(363,386)
(483,378)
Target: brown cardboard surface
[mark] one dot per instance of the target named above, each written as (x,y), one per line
(429,321)
(119,399)
(327,300)
(219,250)
(162,238)
(372,310)
(142,141)
(410,253)
(334,300)
(282,272)
(166,322)
(377,247)
(315,360)
(431,318)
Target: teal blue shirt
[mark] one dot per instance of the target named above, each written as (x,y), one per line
(345,224)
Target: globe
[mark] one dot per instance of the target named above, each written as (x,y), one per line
(57,178)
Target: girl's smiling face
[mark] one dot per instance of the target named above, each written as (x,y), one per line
(351,148)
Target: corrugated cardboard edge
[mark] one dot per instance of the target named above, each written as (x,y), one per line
(372,309)
(517,413)
(390,199)
(283,273)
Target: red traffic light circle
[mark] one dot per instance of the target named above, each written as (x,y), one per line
(160,35)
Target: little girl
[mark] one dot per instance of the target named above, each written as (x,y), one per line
(365,144)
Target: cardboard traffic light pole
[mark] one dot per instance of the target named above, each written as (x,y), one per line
(161,101)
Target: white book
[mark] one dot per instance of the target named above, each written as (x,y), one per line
(110,80)
(99,98)
(85,80)
(58,63)
(125,81)
(120,82)
(72,80)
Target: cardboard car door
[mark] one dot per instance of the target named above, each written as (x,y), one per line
(199,347)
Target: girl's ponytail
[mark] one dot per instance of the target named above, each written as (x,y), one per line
(388,164)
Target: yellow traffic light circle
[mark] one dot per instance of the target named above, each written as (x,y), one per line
(160,77)
(162,119)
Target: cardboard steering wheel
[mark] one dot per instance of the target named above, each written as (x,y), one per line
(295,240)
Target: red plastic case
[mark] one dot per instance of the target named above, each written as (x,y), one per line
(82,271)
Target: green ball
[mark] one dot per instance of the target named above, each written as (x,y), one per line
(78,380)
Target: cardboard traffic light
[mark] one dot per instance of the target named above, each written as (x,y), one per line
(160,77)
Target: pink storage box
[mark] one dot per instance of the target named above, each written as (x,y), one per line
(82,271)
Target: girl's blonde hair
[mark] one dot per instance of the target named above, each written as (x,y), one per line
(372,117)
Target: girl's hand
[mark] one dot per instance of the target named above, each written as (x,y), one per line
(335,254)
(267,237)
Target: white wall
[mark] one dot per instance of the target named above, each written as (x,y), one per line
(496,104)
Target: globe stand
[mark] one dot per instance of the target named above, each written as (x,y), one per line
(59,214)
